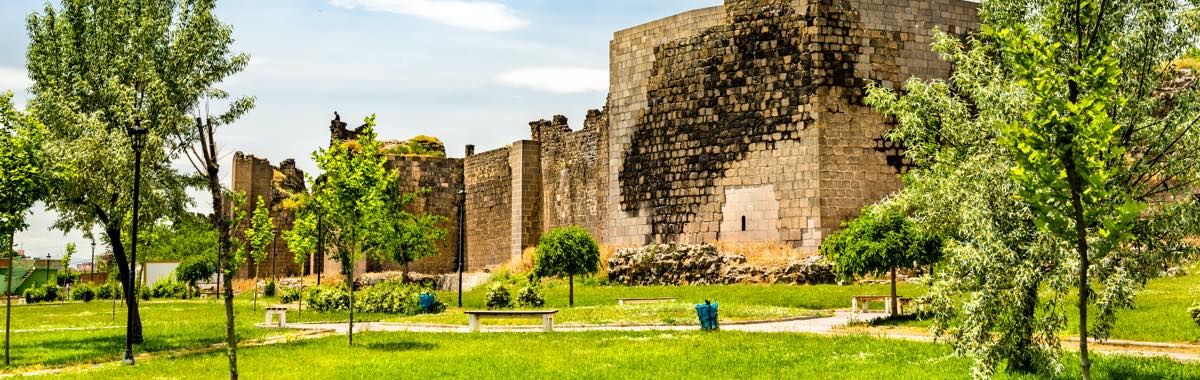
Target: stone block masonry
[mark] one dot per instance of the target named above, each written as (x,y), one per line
(256,178)
(737,123)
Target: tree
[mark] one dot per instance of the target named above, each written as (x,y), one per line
(25,178)
(1062,120)
(258,236)
(569,251)
(194,269)
(102,67)
(352,196)
(412,236)
(66,259)
(879,241)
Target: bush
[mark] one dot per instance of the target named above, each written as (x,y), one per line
(390,297)
(1195,311)
(289,295)
(43,293)
(108,291)
(170,289)
(68,278)
(34,294)
(498,297)
(529,296)
(269,289)
(84,292)
(327,298)
(145,293)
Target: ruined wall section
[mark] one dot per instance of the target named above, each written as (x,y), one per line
(573,172)
(488,180)
(256,177)
(632,60)
(443,177)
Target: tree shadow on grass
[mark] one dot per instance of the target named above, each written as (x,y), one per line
(401,346)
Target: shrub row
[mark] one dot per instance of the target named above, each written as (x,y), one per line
(498,297)
(387,297)
(43,293)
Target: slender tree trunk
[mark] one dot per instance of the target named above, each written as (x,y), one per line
(221,221)
(571,291)
(405,276)
(350,285)
(1081,246)
(893,300)
(254,304)
(8,298)
(129,288)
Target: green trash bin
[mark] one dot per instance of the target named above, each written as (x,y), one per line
(707,312)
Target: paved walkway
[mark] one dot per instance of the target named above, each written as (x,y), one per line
(832,326)
(800,325)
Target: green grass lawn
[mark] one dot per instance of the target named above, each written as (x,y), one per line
(603,355)
(1160,314)
(166,325)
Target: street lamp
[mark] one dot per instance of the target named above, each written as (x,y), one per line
(92,277)
(462,241)
(138,134)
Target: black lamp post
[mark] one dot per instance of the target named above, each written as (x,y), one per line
(462,233)
(138,134)
(92,276)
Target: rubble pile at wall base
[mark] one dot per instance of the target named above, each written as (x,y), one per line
(703,264)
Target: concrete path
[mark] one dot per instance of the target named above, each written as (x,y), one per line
(831,326)
(803,325)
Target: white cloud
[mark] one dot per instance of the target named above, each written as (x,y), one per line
(558,80)
(481,15)
(14,79)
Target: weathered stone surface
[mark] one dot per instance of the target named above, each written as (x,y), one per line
(681,264)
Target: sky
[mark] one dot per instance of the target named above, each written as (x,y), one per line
(466,71)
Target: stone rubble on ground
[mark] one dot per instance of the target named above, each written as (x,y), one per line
(703,264)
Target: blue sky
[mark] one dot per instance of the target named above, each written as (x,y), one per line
(466,71)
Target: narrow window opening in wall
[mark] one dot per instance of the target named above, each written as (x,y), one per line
(743,223)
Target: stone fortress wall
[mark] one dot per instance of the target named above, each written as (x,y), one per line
(736,123)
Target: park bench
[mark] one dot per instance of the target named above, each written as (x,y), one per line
(547,316)
(638,301)
(859,304)
(276,310)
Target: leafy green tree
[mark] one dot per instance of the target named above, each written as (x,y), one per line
(1062,119)
(569,251)
(413,236)
(194,269)
(258,236)
(100,67)
(25,178)
(353,197)
(880,241)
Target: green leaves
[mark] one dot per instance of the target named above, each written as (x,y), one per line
(25,170)
(566,251)
(261,232)
(352,200)
(879,240)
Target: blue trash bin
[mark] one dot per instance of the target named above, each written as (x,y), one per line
(427,301)
(707,312)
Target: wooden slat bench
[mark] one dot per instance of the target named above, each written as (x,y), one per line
(547,316)
(276,310)
(638,301)
(860,303)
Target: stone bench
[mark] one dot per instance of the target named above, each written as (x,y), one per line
(859,304)
(547,316)
(638,301)
(276,310)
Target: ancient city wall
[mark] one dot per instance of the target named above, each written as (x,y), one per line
(256,177)
(573,190)
(745,122)
(443,177)
(488,180)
